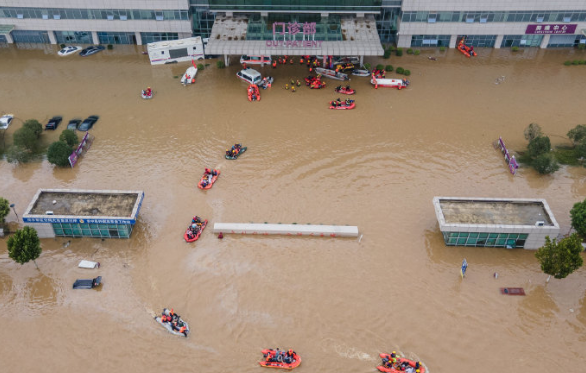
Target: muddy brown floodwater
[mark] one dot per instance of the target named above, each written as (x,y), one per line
(337,302)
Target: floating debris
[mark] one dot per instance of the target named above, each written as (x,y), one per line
(499,80)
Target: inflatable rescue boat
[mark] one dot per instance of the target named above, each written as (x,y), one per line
(280,361)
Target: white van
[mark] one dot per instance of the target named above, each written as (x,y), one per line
(250,76)
(256,60)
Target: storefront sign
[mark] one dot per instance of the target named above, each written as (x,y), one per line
(78,220)
(294,43)
(551,29)
(293,28)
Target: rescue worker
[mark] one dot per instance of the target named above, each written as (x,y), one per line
(148,91)
(183,330)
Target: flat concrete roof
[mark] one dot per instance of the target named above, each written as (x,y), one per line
(228,37)
(495,211)
(86,203)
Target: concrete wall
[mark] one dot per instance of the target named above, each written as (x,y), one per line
(44,230)
(287,229)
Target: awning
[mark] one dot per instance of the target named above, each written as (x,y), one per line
(5,29)
(228,37)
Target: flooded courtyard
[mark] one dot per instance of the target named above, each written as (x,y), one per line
(337,302)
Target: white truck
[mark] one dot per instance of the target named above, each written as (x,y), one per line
(171,51)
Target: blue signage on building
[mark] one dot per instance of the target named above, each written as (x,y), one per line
(78,220)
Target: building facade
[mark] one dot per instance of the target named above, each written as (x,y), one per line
(494,24)
(83,213)
(495,222)
(140,22)
(408,23)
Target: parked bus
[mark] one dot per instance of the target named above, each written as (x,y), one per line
(171,51)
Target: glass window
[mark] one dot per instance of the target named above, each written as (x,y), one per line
(462,241)
(159,15)
(482,235)
(432,18)
(493,235)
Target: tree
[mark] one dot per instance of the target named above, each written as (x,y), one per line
(4,209)
(577,134)
(559,259)
(26,138)
(578,214)
(538,146)
(35,126)
(546,164)
(58,153)
(69,137)
(17,153)
(532,131)
(24,246)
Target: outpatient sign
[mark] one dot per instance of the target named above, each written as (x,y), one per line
(294,28)
(550,29)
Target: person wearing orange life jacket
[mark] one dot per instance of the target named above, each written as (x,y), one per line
(182,330)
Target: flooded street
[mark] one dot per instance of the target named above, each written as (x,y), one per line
(337,302)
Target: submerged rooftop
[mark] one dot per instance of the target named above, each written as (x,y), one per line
(85,203)
(495,211)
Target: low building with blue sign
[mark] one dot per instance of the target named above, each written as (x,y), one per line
(83,213)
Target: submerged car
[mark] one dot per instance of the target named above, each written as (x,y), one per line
(70,49)
(88,123)
(5,121)
(53,123)
(250,76)
(256,60)
(91,50)
(87,284)
(72,125)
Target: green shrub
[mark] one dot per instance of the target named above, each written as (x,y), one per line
(389,68)
(582,62)
(575,62)
(380,66)
(567,63)
(407,72)
(18,154)
(200,66)
(35,126)
(110,47)
(387,54)
(442,48)
(367,66)
(546,164)
(62,46)
(581,46)
(399,52)
(69,137)
(416,52)
(539,146)
(515,48)
(220,64)
(392,48)
(400,70)
(409,51)
(58,153)
(25,138)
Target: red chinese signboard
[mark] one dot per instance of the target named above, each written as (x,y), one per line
(553,29)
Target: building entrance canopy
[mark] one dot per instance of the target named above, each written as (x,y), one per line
(355,37)
(6,29)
